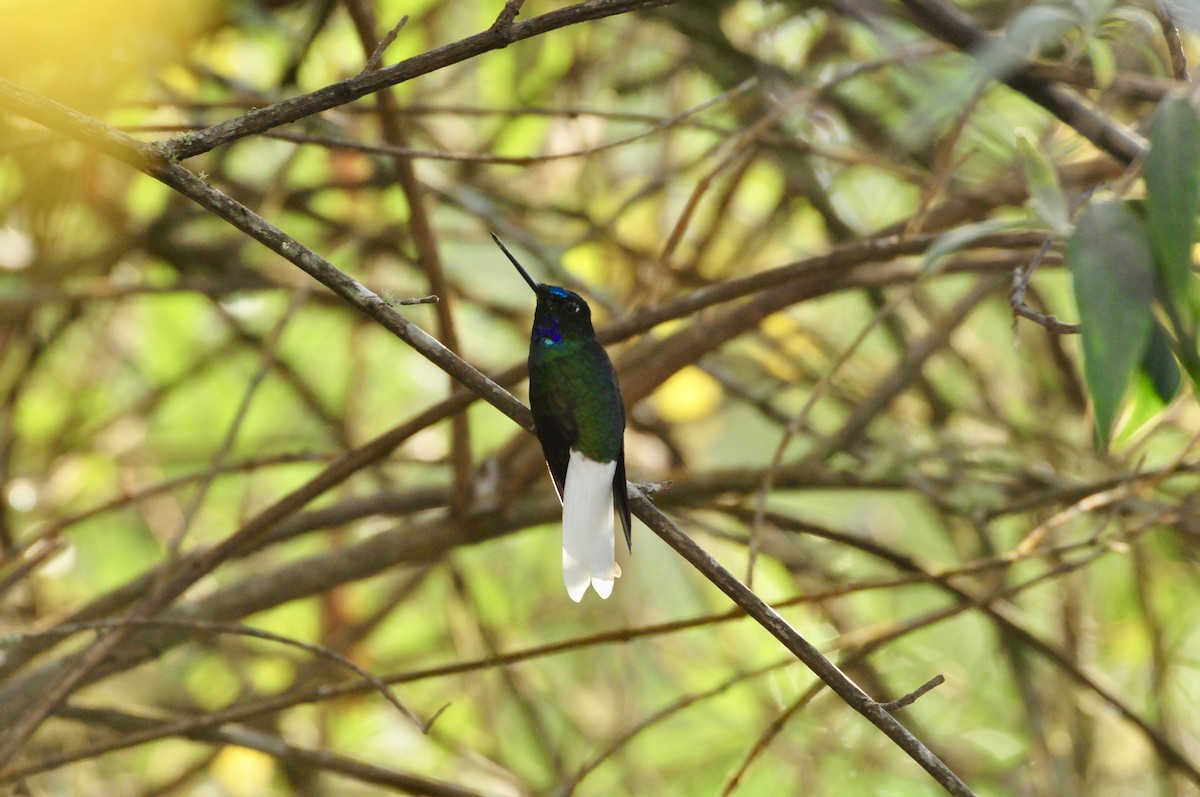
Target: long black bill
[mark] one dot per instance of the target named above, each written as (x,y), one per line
(513,260)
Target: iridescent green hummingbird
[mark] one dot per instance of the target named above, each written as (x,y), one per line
(580,422)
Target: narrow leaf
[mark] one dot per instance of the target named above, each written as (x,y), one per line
(962,237)
(1036,27)
(1111,265)
(1042,182)
(1104,63)
(1028,34)
(1173,196)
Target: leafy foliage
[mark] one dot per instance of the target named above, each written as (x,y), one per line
(1121,262)
(1111,262)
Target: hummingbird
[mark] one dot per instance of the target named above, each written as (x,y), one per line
(580,422)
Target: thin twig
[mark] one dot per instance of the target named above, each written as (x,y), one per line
(414,300)
(662,714)
(368,82)
(218,461)
(1170,31)
(62,524)
(812,658)
(34,557)
(206,627)
(1000,611)
(276,703)
(1016,299)
(914,695)
(376,58)
(277,748)
(1050,322)
(508,15)
(425,242)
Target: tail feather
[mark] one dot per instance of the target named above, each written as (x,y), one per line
(589,556)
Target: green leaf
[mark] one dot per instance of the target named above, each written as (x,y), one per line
(1042,181)
(1104,63)
(1036,27)
(1111,265)
(963,236)
(1030,32)
(1144,405)
(1158,363)
(1173,196)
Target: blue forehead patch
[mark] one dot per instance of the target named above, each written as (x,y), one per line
(559,292)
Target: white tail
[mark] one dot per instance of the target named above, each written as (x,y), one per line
(588,551)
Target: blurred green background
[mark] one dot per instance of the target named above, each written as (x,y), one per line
(870,440)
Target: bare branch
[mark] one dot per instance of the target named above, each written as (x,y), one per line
(914,695)
(371,81)
(376,57)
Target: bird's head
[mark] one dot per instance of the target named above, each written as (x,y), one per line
(558,309)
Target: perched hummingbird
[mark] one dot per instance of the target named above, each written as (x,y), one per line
(580,422)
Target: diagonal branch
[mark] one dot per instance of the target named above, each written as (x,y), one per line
(497,37)
(147,159)
(779,628)
(281,750)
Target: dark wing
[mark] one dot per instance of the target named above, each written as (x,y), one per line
(557,433)
(621,498)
